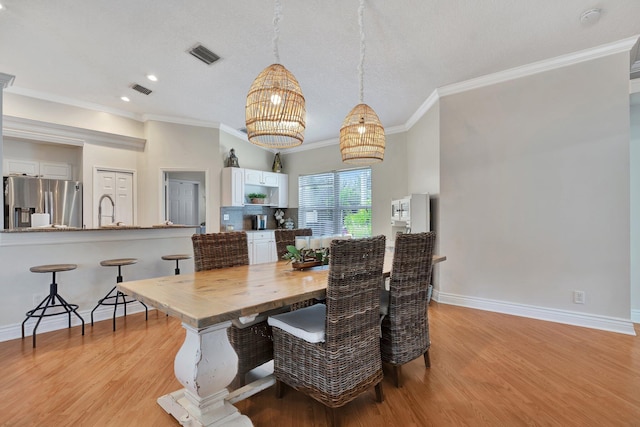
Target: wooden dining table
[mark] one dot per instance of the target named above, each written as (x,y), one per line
(206,302)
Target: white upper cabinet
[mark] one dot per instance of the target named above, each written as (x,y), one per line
(232,187)
(264,178)
(238,182)
(283,190)
(51,170)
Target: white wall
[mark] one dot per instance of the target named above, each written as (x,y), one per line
(388,179)
(423,165)
(535,189)
(635,206)
(250,156)
(177,147)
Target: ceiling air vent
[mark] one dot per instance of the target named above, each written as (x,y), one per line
(203,54)
(141,89)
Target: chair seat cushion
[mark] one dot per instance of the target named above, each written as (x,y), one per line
(307,323)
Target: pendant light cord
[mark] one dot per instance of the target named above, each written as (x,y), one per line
(362,48)
(276,29)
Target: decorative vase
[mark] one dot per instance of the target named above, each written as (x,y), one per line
(257,201)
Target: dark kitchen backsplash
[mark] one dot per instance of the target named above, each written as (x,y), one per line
(240,217)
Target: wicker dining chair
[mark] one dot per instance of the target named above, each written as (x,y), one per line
(344,361)
(253,343)
(405,327)
(288,237)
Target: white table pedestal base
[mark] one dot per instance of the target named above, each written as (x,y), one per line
(205,365)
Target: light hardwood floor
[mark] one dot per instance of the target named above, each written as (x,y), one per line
(487,369)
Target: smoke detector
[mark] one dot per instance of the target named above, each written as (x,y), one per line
(591,16)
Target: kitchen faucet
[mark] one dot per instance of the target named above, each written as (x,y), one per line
(113,209)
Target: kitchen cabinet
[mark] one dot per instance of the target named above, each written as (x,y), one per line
(283,190)
(238,182)
(262,247)
(263,178)
(232,187)
(50,170)
(410,214)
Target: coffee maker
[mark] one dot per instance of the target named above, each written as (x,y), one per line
(259,222)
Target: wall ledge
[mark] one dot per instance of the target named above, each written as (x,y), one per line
(35,130)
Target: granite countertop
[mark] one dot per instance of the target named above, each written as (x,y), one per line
(119,227)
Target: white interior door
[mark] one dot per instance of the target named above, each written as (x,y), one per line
(183,202)
(124,197)
(119,187)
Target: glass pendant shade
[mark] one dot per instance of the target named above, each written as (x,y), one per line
(275,110)
(362,138)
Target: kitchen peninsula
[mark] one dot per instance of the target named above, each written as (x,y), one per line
(21,249)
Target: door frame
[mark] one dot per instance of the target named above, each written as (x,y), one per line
(163,188)
(97,195)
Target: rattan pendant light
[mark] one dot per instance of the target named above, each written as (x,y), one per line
(362,138)
(275,111)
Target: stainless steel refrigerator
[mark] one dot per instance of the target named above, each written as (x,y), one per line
(25,195)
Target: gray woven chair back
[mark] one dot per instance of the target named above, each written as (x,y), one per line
(288,237)
(405,330)
(220,250)
(353,296)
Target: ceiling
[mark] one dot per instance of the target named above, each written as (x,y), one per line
(90,52)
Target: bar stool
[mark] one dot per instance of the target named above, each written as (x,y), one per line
(113,300)
(176,258)
(49,303)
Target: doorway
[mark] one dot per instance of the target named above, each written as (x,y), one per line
(182,202)
(184,197)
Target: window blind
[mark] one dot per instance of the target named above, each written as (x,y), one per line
(336,202)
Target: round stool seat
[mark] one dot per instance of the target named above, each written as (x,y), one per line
(52,268)
(175,257)
(118,262)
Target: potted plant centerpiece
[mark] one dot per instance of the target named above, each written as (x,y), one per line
(257,198)
(306,258)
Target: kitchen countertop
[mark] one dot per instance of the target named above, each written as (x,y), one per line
(120,227)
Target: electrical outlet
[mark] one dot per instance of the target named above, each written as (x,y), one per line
(225,217)
(578,297)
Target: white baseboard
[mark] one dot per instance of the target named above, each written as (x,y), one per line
(613,324)
(48,324)
(635,316)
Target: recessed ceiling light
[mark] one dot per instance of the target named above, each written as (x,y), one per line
(125,99)
(1,6)
(152,77)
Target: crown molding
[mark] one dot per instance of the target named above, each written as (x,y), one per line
(422,110)
(6,80)
(238,134)
(179,121)
(601,51)
(35,130)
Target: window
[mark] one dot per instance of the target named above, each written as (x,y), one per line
(336,202)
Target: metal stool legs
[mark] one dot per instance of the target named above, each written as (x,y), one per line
(113,298)
(49,303)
